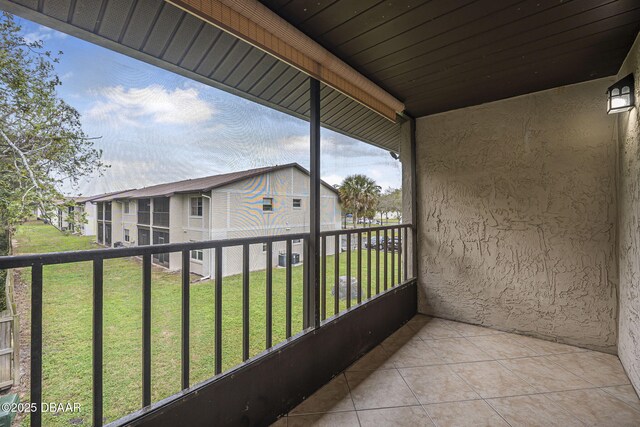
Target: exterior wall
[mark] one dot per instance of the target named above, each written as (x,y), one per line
(235,211)
(516,215)
(628,226)
(89,228)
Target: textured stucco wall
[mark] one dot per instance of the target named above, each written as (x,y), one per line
(517,215)
(629,227)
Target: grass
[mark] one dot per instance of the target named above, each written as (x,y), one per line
(67,316)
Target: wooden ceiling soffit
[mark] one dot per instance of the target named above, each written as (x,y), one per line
(255,24)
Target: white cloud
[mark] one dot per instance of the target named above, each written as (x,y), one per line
(153,104)
(43,34)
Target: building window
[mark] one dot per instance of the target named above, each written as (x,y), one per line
(161,212)
(126,207)
(197,255)
(126,235)
(196,206)
(297,203)
(267,204)
(296,241)
(107,211)
(144,211)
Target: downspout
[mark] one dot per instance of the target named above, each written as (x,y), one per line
(210,236)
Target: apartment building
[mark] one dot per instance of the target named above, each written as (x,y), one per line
(257,202)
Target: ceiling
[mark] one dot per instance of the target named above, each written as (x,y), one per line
(440,55)
(163,35)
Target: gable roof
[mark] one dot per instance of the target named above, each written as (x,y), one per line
(203,184)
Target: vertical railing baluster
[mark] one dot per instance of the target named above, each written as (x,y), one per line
(269,296)
(218,313)
(245,302)
(36,344)
(377,262)
(146,330)
(348,270)
(288,292)
(97,340)
(368,264)
(336,284)
(400,241)
(323,282)
(386,250)
(393,256)
(306,292)
(186,283)
(406,253)
(359,266)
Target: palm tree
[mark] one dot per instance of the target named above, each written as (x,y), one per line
(359,194)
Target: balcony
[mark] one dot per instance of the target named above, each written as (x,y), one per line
(439,372)
(511,297)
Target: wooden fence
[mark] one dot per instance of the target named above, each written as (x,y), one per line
(9,338)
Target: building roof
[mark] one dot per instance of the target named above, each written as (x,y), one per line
(98,197)
(203,184)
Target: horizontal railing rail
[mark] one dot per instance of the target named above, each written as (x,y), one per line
(386,244)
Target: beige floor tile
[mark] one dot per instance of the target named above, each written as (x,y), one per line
(491,379)
(413,353)
(594,407)
(468,330)
(456,350)
(333,397)
(418,321)
(471,413)
(401,336)
(501,346)
(400,417)
(334,419)
(626,393)
(533,411)
(379,389)
(544,375)
(435,329)
(545,347)
(436,384)
(600,369)
(378,358)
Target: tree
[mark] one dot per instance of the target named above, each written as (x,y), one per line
(390,202)
(358,194)
(41,139)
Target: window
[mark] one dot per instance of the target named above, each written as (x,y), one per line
(126,207)
(144,211)
(197,255)
(267,204)
(196,206)
(297,203)
(100,211)
(161,212)
(126,235)
(107,211)
(144,236)
(296,241)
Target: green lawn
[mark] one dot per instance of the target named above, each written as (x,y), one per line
(67,324)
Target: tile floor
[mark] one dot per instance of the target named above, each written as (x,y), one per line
(435,372)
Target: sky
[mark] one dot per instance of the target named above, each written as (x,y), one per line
(155,126)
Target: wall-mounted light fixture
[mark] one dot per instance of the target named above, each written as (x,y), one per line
(620,96)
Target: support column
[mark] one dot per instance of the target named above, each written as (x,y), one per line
(313,270)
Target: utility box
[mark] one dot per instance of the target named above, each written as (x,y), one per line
(282,259)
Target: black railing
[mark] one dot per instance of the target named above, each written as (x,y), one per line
(342,239)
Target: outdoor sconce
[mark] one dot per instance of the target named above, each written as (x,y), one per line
(621,96)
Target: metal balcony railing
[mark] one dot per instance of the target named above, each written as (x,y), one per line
(370,246)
